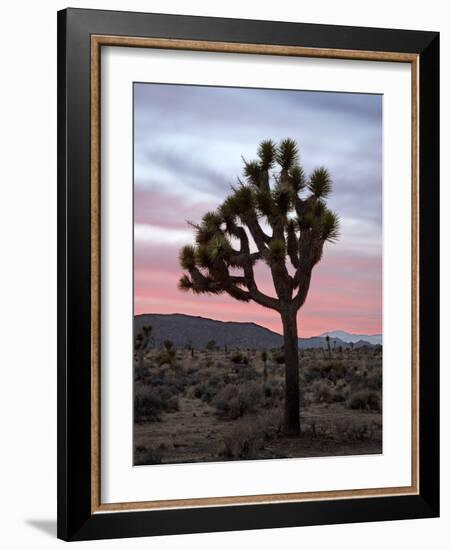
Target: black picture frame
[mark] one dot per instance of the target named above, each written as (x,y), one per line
(76,521)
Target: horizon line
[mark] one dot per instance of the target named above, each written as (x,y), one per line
(256,324)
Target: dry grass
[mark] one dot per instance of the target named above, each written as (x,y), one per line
(211,405)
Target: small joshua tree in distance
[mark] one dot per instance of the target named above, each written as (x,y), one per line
(142,340)
(285,215)
(328,346)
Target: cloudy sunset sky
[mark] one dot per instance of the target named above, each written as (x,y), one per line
(188,143)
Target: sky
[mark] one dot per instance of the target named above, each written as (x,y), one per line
(188,147)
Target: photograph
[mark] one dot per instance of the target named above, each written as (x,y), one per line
(257,273)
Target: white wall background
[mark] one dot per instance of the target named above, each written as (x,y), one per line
(28,272)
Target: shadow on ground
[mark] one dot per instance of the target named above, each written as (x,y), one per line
(46,526)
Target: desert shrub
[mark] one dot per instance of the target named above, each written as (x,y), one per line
(231,409)
(172,378)
(364,400)
(147,405)
(207,393)
(233,401)
(339,396)
(147,455)
(278,357)
(271,422)
(273,392)
(249,437)
(250,396)
(140,373)
(242,443)
(355,379)
(166,357)
(226,401)
(181,381)
(160,394)
(214,380)
(374,380)
(335,371)
(346,430)
(209,388)
(246,373)
(311,373)
(356,433)
(322,392)
(332,371)
(192,369)
(320,430)
(166,393)
(340,367)
(157,378)
(237,357)
(198,391)
(190,392)
(211,345)
(172,404)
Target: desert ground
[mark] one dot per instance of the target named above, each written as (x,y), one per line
(217,404)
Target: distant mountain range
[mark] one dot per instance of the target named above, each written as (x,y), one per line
(187,330)
(348,337)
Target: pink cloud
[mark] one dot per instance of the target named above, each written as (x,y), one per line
(345,293)
(152,207)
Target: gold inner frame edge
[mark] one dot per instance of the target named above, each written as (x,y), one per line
(97,41)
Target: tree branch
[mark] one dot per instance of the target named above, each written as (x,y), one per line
(293,245)
(263,299)
(261,239)
(246,261)
(301,295)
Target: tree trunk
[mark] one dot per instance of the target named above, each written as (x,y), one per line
(290,337)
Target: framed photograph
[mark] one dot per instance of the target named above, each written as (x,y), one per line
(248,274)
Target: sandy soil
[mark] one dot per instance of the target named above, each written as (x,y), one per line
(195,434)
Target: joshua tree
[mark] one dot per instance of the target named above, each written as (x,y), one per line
(168,345)
(328,345)
(142,340)
(284,213)
(191,348)
(167,354)
(211,345)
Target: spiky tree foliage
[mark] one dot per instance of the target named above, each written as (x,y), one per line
(275,215)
